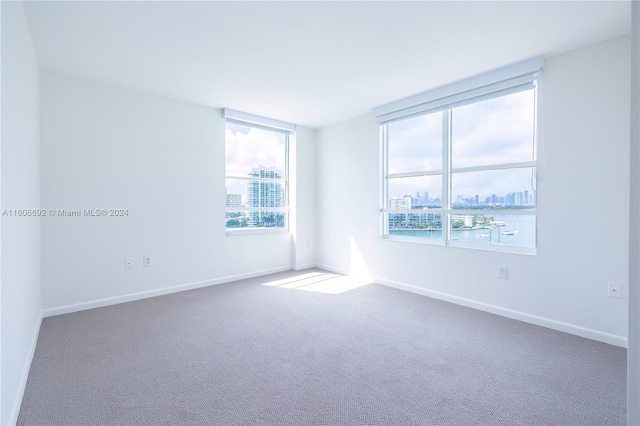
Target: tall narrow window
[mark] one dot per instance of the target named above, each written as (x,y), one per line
(256,173)
(460,163)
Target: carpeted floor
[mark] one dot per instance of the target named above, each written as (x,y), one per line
(264,351)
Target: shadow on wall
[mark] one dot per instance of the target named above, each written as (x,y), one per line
(330,283)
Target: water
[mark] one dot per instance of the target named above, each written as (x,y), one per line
(518,231)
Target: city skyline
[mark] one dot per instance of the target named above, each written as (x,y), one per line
(516,198)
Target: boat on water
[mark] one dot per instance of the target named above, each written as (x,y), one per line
(482,235)
(509,232)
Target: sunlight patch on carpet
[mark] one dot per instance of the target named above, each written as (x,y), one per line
(320,282)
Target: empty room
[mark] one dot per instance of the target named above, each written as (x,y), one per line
(324,212)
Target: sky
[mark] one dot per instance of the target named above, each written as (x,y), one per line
(495,131)
(248,147)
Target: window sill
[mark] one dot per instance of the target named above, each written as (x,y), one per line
(496,248)
(255,231)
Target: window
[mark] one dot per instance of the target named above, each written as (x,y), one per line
(256,151)
(459,169)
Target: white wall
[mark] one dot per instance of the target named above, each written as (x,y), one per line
(303,195)
(586,132)
(163,160)
(20,169)
(633,355)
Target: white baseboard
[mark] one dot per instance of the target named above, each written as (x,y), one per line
(333,269)
(22,386)
(67,309)
(588,333)
(304,266)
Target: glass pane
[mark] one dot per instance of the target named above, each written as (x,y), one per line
(415,144)
(490,229)
(255,219)
(494,189)
(415,224)
(415,192)
(255,193)
(495,131)
(256,152)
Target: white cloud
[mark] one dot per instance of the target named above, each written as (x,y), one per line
(482,135)
(248,147)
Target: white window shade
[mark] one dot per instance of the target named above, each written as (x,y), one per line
(510,79)
(240,117)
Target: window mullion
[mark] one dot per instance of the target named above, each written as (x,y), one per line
(446,174)
(286,178)
(385,172)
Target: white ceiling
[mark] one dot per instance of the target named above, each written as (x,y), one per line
(310,63)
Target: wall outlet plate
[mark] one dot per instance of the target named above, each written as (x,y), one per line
(503,272)
(614,290)
(147,261)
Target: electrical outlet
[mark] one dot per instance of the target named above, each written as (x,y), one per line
(128,263)
(503,272)
(614,290)
(147,261)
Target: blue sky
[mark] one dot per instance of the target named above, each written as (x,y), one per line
(495,131)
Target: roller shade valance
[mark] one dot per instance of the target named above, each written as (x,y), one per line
(502,81)
(240,117)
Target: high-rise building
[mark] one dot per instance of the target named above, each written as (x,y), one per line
(519,200)
(264,194)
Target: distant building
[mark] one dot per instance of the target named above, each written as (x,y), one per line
(466,219)
(400,202)
(265,194)
(234,200)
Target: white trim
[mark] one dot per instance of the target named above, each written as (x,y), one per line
(588,333)
(414,174)
(564,327)
(22,385)
(67,309)
(333,269)
(490,167)
(246,118)
(304,266)
(234,232)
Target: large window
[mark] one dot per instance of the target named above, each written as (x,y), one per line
(256,173)
(462,171)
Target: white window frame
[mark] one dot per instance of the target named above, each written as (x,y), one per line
(498,83)
(268,124)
